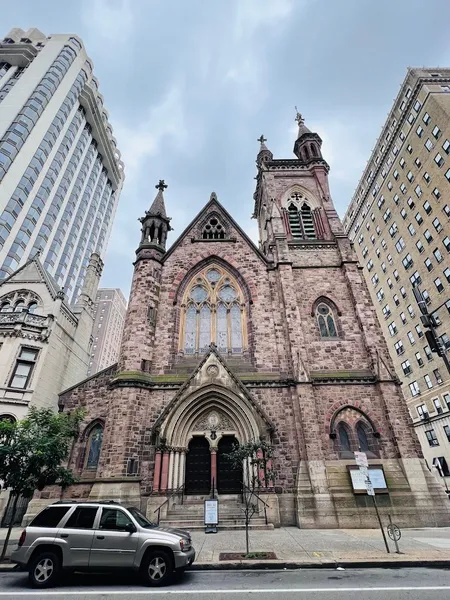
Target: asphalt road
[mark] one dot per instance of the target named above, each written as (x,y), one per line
(319,584)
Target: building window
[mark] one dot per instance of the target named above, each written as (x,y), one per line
(386,311)
(438,284)
(428,264)
(419,218)
(446,242)
(429,145)
(325,320)
(431,437)
(396,299)
(427,235)
(427,177)
(419,359)
(403,213)
(94,447)
(409,148)
(24,367)
(403,318)
(447,432)
(447,274)
(422,411)
(403,188)
(436,132)
(446,209)
(411,338)
(415,278)
(213,230)
(437,225)
(399,348)
(200,326)
(428,353)
(408,261)
(406,366)
(418,191)
(380,294)
(428,381)
(403,292)
(438,376)
(420,246)
(419,331)
(411,229)
(344,438)
(426,118)
(419,131)
(392,328)
(414,388)
(400,245)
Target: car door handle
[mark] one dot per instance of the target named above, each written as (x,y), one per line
(100,537)
(64,535)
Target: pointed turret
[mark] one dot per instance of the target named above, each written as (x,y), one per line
(264,153)
(155,223)
(308,145)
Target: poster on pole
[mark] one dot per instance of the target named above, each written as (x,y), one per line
(211,517)
(369,488)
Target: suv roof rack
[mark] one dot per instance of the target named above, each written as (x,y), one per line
(85,502)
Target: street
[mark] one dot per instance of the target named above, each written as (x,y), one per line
(314,584)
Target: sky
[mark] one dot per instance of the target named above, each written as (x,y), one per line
(191,84)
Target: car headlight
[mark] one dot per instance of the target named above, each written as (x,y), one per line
(182,544)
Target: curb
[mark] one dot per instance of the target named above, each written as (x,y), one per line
(332,564)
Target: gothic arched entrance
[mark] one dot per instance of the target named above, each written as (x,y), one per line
(198,466)
(229,477)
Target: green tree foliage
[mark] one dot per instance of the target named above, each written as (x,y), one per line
(32,452)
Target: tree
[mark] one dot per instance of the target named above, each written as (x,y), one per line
(255,458)
(32,452)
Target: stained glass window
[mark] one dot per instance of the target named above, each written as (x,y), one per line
(362,438)
(222,328)
(214,313)
(236,328)
(190,330)
(344,438)
(95,446)
(325,321)
(205,328)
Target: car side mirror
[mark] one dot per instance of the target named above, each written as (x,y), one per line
(130,528)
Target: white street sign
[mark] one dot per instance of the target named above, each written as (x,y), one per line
(361,459)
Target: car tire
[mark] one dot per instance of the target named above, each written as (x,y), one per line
(157,568)
(44,570)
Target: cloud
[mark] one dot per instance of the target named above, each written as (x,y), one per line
(164,123)
(112,20)
(251,15)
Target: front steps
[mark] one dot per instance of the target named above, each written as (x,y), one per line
(190,514)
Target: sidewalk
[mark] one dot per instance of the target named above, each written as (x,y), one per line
(312,548)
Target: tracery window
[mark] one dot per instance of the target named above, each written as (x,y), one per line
(325,320)
(20,301)
(213,230)
(213,311)
(94,446)
(301,221)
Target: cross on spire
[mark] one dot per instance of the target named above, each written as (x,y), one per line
(161,186)
(298,117)
(262,139)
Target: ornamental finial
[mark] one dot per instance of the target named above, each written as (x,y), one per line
(298,117)
(161,186)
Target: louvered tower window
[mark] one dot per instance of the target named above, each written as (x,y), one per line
(308,223)
(294,222)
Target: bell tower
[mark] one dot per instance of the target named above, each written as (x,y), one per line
(137,343)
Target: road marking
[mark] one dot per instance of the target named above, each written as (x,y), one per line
(82,592)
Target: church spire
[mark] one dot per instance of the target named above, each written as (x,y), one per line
(308,145)
(155,223)
(264,153)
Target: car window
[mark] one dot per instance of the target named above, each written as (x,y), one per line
(83,517)
(50,516)
(143,521)
(114,520)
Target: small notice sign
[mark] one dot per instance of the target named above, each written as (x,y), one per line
(211,516)
(369,488)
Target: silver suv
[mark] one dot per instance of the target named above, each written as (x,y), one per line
(99,536)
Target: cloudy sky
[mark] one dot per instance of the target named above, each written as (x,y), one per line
(190,85)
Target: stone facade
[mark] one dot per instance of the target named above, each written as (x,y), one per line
(44,342)
(281,343)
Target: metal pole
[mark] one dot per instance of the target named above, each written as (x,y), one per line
(397,549)
(381,525)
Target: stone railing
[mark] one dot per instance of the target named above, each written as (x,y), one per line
(23,318)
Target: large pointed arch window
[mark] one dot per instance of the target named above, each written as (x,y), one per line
(301,219)
(213,311)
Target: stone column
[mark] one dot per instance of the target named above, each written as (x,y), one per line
(214,467)
(176,471)
(182,467)
(261,478)
(170,478)
(157,473)
(164,471)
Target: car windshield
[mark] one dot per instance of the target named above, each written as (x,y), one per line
(143,521)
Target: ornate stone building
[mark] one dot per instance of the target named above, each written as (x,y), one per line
(225,341)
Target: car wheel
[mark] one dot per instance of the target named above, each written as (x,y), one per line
(44,570)
(157,568)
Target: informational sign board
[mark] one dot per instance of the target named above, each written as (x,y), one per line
(361,459)
(211,515)
(359,477)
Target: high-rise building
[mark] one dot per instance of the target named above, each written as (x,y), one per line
(110,310)
(60,169)
(398,220)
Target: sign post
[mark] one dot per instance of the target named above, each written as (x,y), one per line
(363,464)
(211,515)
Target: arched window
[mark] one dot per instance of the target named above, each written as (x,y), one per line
(325,320)
(362,438)
(8,418)
(301,221)
(32,307)
(344,438)
(94,446)
(20,306)
(213,312)
(6,307)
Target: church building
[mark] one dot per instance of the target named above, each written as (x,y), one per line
(227,342)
